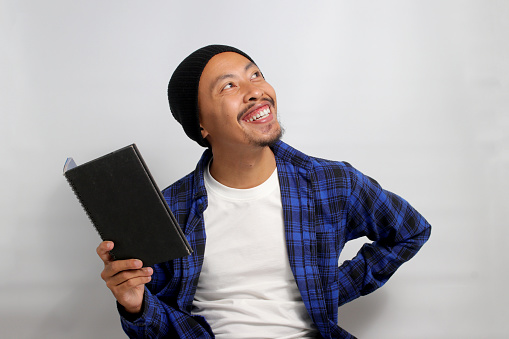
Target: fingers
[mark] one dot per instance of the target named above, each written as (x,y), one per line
(130,279)
(125,278)
(128,286)
(129,268)
(103,250)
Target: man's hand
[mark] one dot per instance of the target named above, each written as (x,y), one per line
(125,278)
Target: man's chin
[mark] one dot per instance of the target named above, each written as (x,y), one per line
(270,140)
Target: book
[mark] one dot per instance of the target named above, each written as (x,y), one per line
(123,202)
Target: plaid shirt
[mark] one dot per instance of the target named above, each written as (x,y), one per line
(325,204)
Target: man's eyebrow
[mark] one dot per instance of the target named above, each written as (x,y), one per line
(249,65)
(221,77)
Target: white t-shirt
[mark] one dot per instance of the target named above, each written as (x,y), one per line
(246,288)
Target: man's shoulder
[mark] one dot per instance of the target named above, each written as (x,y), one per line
(310,163)
(180,186)
(335,166)
(190,185)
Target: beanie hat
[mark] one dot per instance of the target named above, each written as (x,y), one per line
(183,88)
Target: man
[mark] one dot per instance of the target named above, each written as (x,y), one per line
(267,223)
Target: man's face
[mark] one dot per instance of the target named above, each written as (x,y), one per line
(237,106)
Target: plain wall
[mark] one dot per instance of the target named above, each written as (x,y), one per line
(412,93)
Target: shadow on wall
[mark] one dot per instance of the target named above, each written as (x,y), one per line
(86,311)
(358,316)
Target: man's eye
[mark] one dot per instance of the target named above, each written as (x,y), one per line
(255,75)
(228,86)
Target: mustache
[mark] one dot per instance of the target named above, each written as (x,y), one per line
(270,100)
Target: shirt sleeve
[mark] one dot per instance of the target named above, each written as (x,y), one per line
(396,229)
(162,319)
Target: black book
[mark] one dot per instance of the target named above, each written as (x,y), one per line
(125,205)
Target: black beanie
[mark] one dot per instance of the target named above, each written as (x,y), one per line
(183,88)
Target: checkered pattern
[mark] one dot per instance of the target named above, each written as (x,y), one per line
(325,204)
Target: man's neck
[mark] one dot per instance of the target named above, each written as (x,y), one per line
(243,169)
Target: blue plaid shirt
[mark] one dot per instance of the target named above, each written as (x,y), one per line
(325,204)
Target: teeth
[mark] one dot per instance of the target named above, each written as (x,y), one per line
(261,114)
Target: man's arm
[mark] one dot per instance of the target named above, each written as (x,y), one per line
(143,314)
(397,230)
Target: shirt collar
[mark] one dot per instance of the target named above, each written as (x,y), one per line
(199,183)
(281,151)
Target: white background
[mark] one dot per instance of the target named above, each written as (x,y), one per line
(412,93)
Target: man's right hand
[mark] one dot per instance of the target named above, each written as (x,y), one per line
(125,278)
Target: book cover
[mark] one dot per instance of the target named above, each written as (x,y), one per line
(125,205)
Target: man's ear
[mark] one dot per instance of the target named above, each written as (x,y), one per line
(204,132)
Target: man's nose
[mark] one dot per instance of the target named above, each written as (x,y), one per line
(253,92)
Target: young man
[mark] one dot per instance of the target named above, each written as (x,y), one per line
(267,223)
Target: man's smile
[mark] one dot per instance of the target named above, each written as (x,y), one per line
(257,113)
